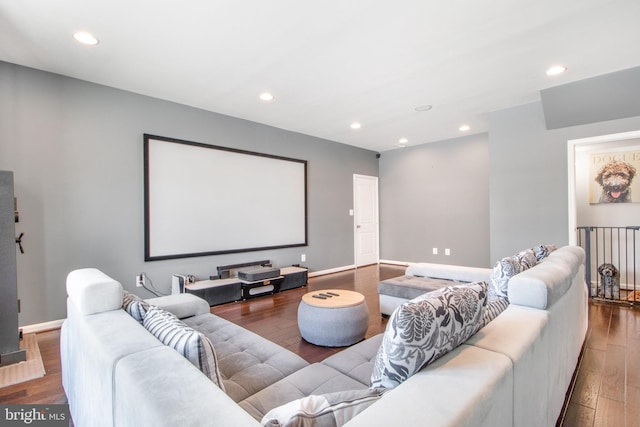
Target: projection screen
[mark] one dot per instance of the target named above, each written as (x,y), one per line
(203,199)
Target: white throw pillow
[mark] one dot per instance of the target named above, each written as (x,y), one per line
(331,409)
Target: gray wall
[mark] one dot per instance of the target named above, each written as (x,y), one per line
(529,176)
(76,151)
(528,182)
(436,196)
(514,181)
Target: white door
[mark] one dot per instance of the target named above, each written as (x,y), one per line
(365,219)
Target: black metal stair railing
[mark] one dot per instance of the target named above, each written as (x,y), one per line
(611,261)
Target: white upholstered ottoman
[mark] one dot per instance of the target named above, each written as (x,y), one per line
(333,317)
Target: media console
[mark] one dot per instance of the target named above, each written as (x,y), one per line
(230,289)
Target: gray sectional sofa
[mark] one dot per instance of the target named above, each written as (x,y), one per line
(514,371)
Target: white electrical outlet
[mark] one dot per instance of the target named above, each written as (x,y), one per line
(303,258)
(435,251)
(447,252)
(141,280)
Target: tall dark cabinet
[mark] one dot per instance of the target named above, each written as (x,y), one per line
(9,334)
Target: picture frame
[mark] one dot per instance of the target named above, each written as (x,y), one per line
(613,176)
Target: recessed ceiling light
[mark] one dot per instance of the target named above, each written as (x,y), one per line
(403,141)
(425,107)
(266,96)
(85,38)
(464,128)
(556,69)
(355,125)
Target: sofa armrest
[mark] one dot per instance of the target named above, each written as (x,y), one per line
(450,272)
(182,305)
(545,283)
(92,291)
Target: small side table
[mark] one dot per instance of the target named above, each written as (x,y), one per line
(336,321)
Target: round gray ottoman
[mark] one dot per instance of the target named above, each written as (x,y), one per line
(340,318)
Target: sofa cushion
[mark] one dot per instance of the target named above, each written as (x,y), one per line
(456,273)
(409,287)
(182,305)
(357,361)
(193,345)
(332,409)
(424,329)
(314,379)
(134,305)
(248,362)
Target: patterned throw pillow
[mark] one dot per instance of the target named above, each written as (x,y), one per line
(543,251)
(426,328)
(332,409)
(493,308)
(527,259)
(134,305)
(193,345)
(504,270)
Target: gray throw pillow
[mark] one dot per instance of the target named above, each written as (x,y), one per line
(424,329)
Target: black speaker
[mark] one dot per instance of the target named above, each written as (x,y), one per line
(377,155)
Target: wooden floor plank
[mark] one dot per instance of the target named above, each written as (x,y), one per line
(618,327)
(587,387)
(599,320)
(610,413)
(613,377)
(579,416)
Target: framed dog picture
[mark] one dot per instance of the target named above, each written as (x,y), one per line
(613,177)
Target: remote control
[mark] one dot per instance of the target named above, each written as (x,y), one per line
(335,295)
(318,296)
(325,295)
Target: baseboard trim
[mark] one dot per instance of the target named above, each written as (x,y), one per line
(332,270)
(42,327)
(393,262)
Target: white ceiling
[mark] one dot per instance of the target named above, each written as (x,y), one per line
(330,62)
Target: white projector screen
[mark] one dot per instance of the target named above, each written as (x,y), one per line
(205,200)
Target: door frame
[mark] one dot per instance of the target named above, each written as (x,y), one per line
(571,171)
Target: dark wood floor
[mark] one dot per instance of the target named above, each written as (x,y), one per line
(606,392)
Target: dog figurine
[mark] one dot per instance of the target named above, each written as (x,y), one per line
(610,284)
(615,178)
